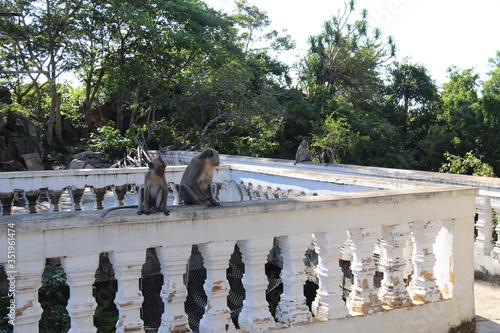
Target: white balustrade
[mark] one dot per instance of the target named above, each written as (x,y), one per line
(487,256)
(435,221)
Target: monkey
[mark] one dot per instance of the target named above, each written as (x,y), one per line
(325,154)
(303,154)
(153,193)
(196,182)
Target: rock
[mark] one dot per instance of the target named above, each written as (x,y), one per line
(77,164)
(33,161)
(94,159)
(12,165)
(19,136)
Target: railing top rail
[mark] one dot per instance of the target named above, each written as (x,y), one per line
(489,183)
(92,218)
(106,177)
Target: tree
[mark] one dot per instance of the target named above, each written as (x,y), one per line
(46,29)
(344,59)
(253,23)
(411,86)
(90,51)
(490,134)
(216,103)
(461,109)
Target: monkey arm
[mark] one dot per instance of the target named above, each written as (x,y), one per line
(211,199)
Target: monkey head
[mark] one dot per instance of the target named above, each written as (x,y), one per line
(210,156)
(317,149)
(157,166)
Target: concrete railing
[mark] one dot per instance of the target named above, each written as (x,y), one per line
(417,237)
(487,247)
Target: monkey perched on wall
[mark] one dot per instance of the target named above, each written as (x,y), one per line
(325,154)
(303,154)
(196,182)
(153,193)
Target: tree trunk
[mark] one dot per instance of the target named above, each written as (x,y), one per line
(52,114)
(58,128)
(119,112)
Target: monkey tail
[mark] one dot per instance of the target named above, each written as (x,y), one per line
(117,207)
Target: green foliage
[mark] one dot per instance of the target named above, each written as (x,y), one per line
(14,109)
(461,108)
(110,141)
(257,140)
(181,73)
(468,165)
(4,303)
(411,86)
(105,320)
(163,135)
(54,295)
(71,102)
(339,135)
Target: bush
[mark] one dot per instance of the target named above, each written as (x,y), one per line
(468,165)
(110,141)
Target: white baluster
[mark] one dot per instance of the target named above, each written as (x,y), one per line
(346,250)
(251,192)
(173,262)
(233,192)
(245,194)
(217,316)
(495,204)
(255,315)
(76,197)
(393,291)
(496,249)
(270,193)
(224,191)
(484,225)
(119,193)
(127,267)
(292,309)
(363,298)
(407,254)
(328,303)
(260,193)
(423,286)
(80,274)
(28,281)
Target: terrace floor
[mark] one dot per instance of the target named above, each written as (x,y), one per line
(487,299)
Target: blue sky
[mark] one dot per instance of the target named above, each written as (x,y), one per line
(434,33)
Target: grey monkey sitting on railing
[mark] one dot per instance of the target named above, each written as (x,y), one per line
(196,182)
(303,154)
(325,154)
(153,193)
